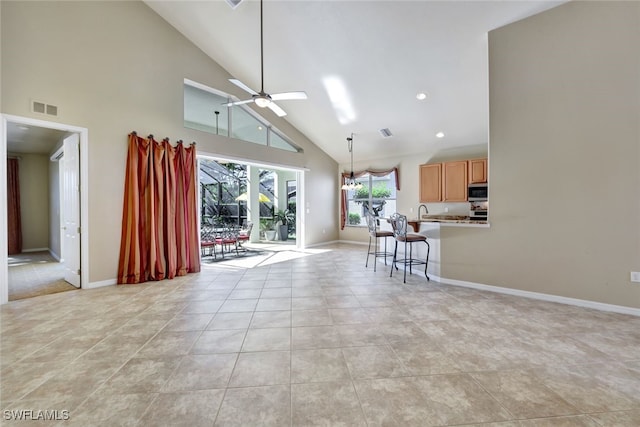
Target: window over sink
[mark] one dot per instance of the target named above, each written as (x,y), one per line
(377,195)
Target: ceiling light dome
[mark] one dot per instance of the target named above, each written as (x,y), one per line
(262,101)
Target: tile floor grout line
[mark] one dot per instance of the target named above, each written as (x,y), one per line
(398,309)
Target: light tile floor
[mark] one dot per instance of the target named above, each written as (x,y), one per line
(35,273)
(316,340)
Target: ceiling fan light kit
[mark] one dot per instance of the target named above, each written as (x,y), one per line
(263,99)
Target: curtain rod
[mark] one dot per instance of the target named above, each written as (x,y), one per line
(14,157)
(165,139)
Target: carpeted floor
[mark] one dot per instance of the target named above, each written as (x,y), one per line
(35,273)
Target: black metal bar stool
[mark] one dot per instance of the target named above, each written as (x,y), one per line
(374,234)
(399,226)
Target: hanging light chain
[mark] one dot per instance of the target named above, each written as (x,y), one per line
(351,184)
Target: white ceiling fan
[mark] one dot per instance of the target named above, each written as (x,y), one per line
(263,99)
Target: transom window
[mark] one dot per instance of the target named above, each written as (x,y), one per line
(204,110)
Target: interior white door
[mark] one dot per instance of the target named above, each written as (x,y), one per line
(70,209)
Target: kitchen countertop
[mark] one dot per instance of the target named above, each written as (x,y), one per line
(448,220)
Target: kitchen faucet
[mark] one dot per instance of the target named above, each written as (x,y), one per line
(426,211)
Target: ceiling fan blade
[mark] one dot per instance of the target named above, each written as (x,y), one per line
(231,104)
(279,111)
(243,86)
(289,95)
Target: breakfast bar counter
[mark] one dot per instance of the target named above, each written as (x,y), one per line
(447,221)
(434,227)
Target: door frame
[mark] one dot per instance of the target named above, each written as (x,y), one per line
(84,196)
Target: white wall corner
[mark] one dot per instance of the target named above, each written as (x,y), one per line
(54,255)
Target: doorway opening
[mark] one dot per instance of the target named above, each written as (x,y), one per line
(256,205)
(44,208)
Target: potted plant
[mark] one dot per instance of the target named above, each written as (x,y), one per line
(266,225)
(354,219)
(284,218)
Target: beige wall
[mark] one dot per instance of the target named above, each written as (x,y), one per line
(564,156)
(115,67)
(34,200)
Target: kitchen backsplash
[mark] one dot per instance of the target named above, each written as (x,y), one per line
(458,208)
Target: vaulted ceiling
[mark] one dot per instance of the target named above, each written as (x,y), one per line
(362,63)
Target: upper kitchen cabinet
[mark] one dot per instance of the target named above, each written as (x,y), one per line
(454,187)
(431,183)
(477,171)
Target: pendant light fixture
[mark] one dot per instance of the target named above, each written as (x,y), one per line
(351,184)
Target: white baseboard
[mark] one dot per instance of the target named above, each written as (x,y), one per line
(314,245)
(537,295)
(35,250)
(540,296)
(100,284)
(352,242)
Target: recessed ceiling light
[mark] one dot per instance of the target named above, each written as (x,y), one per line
(421,96)
(259,127)
(23,128)
(440,135)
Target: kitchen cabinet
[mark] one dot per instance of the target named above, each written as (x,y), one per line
(477,171)
(431,183)
(454,181)
(443,182)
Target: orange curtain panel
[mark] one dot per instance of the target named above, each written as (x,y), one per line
(14,223)
(159,219)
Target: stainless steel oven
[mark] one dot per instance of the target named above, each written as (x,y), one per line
(478,192)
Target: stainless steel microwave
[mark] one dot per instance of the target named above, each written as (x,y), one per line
(478,192)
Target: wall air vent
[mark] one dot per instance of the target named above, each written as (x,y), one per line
(44,108)
(386,133)
(38,107)
(234,3)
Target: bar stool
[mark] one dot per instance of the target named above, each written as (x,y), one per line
(399,225)
(374,234)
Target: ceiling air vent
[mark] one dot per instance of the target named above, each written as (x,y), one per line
(234,3)
(386,133)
